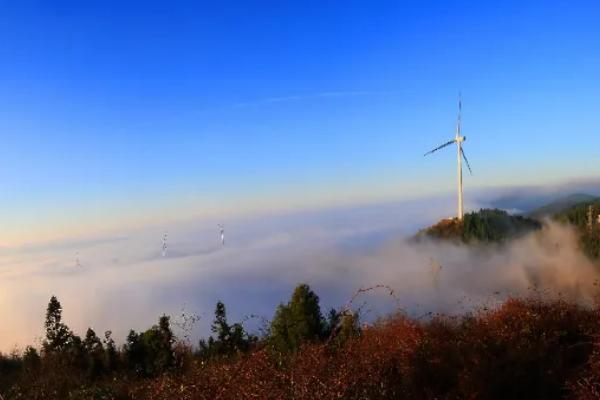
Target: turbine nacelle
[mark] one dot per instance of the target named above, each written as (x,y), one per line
(460,139)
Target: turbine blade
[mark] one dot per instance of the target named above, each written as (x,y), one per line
(440,147)
(466,161)
(458,118)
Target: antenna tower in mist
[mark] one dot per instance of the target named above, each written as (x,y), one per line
(458,139)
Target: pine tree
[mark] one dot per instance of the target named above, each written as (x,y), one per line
(151,352)
(58,334)
(164,358)
(220,325)
(112,355)
(134,352)
(298,321)
(94,353)
(230,339)
(31,360)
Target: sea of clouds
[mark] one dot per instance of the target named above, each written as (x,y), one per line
(124,282)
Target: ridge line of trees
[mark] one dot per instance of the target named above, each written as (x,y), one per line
(156,351)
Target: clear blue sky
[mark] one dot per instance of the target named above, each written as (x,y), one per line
(153,109)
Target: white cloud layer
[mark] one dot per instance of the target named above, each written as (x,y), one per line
(124,282)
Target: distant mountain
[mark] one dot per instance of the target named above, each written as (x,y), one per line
(561,204)
(527,199)
(483,226)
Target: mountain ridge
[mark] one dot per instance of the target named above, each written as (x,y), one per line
(561,204)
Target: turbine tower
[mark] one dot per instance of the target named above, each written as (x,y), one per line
(458,139)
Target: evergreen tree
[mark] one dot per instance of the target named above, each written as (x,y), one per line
(483,226)
(92,343)
(94,353)
(299,320)
(164,357)
(74,353)
(347,328)
(112,355)
(134,352)
(31,360)
(220,325)
(151,352)
(589,239)
(58,334)
(230,339)
(333,320)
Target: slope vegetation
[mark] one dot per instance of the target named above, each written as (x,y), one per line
(579,217)
(483,226)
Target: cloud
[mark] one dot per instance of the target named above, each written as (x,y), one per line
(126,283)
(69,244)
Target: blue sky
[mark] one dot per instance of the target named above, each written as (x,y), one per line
(121,112)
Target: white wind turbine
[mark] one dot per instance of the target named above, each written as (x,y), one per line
(458,139)
(164,244)
(222,233)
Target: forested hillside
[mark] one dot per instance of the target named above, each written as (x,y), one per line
(584,217)
(483,226)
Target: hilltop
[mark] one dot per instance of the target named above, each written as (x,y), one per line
(497,226)
(483,226)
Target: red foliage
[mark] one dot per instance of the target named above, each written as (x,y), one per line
(524,349)
(354,370)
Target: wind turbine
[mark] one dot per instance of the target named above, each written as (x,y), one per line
(164,244)
(222,232)
(458,139)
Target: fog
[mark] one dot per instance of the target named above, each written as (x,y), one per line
(123,282)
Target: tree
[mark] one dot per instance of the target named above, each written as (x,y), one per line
(60,341)
(134,352)
(483,226)
(589,239)
(494,225)
(162,344)
(74,353)
(347,328)
(58,334)
(230,339)
(31,358)
(333,321)
(94,353)
(298,321)
(112,355)
(151,352)
(220,325)
(341,326)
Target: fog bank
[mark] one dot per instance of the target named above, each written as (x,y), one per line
(124,282)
